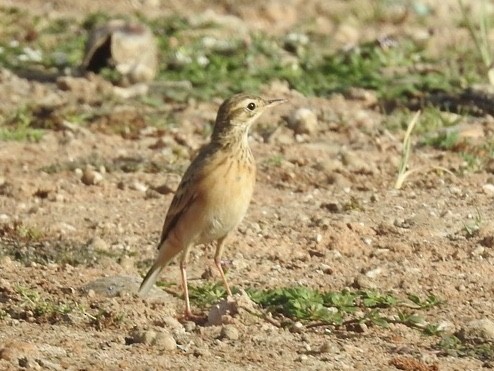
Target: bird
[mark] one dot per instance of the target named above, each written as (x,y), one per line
(214,193)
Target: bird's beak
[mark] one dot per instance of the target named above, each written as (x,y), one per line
(275,102)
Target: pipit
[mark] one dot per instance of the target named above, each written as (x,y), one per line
(215,191)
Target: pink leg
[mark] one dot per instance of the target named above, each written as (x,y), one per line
(217,261)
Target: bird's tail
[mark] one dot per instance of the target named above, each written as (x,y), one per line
(150,278)
(166,253)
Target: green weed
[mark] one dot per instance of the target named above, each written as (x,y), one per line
(19,127)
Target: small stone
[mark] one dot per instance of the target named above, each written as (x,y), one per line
(26,362)
(490,166)
(327,347)
(189,326)
(202,352)
(364,283)
(229,332)
(297,327)
(91,177)
(481,330)
(142,337)
(488,188)
(151,194)
(302,358)
(164,340)
(97,243)
(478,251)
(357,164)
(303,121)
(373,273)
(173,324)
(138,186)
(163,189)
(332,207)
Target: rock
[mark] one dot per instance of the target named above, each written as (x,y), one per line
(142,337)
(138,186)
(368,97)
(488,189)
(357,164)
(164,340)
(114,286)
(128,47)
(481,330)
(225,310)
(14,349)
(97,243)
(490,166)
(222,312)
(364,283)
(327,347)
(201,351)
(91,177)
(172,323)
(373,273)
(189,326)
(229,332)
(297,327)
(303,121)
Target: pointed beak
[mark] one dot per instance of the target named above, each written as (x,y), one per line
(275,102)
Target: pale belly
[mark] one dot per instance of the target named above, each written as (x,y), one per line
(226,202)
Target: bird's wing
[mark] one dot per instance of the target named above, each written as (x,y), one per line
(183,199)
(187,191)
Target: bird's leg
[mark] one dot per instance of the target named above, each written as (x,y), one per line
(183,271)
(220,245)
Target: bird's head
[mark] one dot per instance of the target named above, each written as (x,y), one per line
(239,112)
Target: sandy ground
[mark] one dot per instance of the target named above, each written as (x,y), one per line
(324,215)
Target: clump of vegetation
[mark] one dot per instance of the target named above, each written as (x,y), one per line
(317,308)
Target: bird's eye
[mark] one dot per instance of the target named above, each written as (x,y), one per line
(251,106)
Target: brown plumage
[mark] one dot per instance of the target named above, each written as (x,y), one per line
(215,191)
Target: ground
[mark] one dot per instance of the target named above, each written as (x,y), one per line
(82,204)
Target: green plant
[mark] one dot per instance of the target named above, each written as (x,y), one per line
(451,345)
(473,226)
(480,35)
(206,294)
(344,308)
(403,168)
(18,127)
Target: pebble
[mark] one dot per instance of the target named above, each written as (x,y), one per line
(98,243)
(478,251)
(302,358)
(373,273)
(229,332)
(303,121)
(189,326)
(116,286)
(364,283)
(490,166)
(478,330)
(488,189)
(164,340)
(91,177)
(202,352)
(138,186)
(297,327)
(357,164)
(143,337)
(327,347)
(173,324)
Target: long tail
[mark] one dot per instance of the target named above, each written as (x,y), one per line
(166,253)
(150,278)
